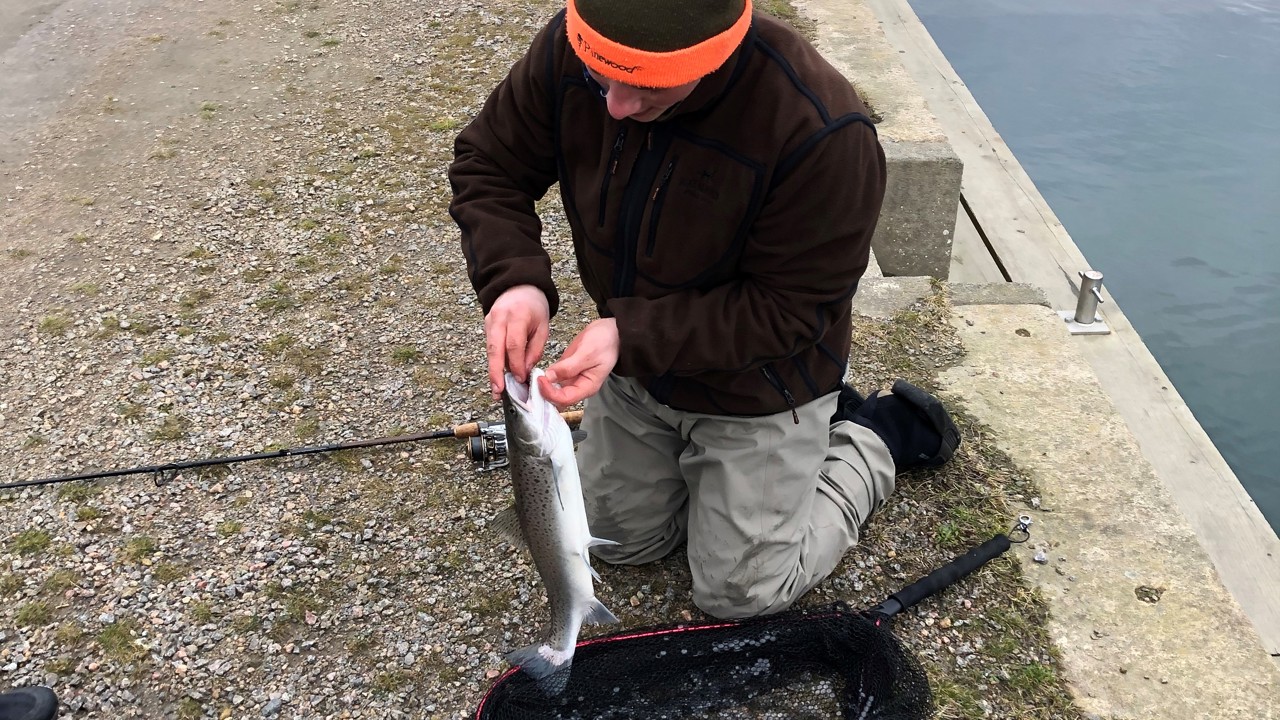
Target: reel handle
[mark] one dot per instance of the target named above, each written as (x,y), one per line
(488,443)
(475,429)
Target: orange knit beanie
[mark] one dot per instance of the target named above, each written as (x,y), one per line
(656,43)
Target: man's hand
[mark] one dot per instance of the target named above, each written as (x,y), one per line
(585,365)
(515,333)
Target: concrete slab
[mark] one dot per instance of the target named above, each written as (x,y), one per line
(997,294)
(917,225)
(882,297)
(1031,245)
(1146,627)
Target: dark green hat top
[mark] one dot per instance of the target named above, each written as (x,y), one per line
(660,25)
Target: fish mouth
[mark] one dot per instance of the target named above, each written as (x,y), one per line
(535,415)
(521,394)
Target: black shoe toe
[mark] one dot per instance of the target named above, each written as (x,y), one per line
(33,703)
(847,404)
(932,409)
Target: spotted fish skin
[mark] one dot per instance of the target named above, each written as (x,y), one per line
(550,519)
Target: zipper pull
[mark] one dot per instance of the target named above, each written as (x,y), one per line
(786,393)
(663,182)
(791,400)
(617,150)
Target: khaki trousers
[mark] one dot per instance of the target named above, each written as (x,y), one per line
(768,506)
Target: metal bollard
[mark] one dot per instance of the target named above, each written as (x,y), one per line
(1090,296)
(1085,319)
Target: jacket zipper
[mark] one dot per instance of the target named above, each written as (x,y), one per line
(613,168)
(778,385)
(634,200)
(659,194)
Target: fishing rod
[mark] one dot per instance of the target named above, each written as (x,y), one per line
(487,447)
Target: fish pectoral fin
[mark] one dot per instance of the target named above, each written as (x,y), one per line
(598,614)
(578,436)
(594,541)
(507,524)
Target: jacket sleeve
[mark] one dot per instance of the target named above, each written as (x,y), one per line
(503,164)
(806,252)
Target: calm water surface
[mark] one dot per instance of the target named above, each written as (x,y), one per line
(1152,127)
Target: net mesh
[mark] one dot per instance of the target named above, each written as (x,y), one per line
(826,663)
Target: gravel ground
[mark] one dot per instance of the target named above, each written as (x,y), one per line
(236,241)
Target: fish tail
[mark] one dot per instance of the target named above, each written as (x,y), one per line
(550,667)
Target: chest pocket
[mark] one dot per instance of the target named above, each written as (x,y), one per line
(699,211)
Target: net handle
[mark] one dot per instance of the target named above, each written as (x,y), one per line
(944,576)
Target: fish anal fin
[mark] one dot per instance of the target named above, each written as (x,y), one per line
(586,554)
(507,524)
(598,614)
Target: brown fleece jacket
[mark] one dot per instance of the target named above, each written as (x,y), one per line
(727,239)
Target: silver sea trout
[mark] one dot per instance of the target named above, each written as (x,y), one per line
(549,518)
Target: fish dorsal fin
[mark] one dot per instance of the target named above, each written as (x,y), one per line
(507,524)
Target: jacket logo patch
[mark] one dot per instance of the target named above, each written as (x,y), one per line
(585,47)
(701,186)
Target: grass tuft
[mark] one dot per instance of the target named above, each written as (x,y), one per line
(118,642)
(55,324)
(31,542)
(168,572)
(78,492)
(10,584)
(202,613)
(405,354)
(174,427)
(60,581)
(68,634)
(33,614)
(140,548)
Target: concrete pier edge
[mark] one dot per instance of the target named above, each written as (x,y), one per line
(916,227)
(1144,625)
(1145,622)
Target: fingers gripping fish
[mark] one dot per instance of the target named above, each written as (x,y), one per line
(549,518)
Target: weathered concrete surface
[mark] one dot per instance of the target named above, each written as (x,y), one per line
(996,294)
(914,236)
(1005,215)
(1146,628)
(881,297)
